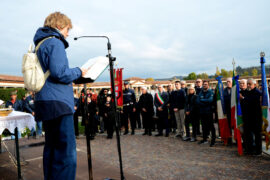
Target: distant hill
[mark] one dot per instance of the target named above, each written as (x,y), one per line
(239,70)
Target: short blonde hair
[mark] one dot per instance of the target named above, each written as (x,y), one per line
(57,20)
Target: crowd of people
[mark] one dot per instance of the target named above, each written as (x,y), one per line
(186,112)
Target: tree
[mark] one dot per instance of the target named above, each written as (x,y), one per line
(204,76)
(191,76)
(245,73)
(149,79)
(254,72)
(230,73)
(224,73)
(217,72)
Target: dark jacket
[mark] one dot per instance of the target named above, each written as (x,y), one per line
(17,106)
(129,97)
(191,103)
(165,99)
(227,101)
(29,105)
(146,101)
(178,99)
(198,90)
(56,97)
(252,108)
(101,100)
(205,100)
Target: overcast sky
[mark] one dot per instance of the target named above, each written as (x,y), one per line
(150,38)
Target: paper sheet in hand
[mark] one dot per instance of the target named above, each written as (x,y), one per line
(95,67)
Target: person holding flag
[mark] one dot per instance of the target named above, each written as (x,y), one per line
(265,103)
(222,119)
(253,118)
(236,113)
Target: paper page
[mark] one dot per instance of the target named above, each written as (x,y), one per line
(95,67)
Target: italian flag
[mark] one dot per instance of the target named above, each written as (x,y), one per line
(265,105)
(222,119)
(236,113)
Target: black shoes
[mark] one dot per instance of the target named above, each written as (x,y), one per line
(212,144)
(186,138)
(126,132)
(203,142)
(133,132)
(159,134)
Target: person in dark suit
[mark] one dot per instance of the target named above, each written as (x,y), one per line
(227,104)
(145,105)
(161,101)
(252,117)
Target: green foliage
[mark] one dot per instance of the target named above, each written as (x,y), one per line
(5,93)
(202,76)
(191,76)
(254,72)
(224,73)
(245,73)
(149,79)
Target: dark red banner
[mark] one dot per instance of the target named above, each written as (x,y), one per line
(118,77)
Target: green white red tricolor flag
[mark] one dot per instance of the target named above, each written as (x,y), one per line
(265,104)
(236,113)
(222,119)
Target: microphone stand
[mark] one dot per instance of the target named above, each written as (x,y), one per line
(116,112)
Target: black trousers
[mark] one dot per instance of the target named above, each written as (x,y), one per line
(128,114)
(147,122)
(110,124)
(172,120)
(191,119)
(208,126)
(162,121)
(250,131)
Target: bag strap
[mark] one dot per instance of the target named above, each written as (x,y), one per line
(37,47)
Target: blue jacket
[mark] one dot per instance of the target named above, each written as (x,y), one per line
(17,106)
(129,97)
(205,100)
(56,97)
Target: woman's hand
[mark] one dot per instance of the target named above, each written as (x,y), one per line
(84,71)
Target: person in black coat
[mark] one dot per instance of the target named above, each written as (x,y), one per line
(92,109)
(227,104)
(177,103)
(109,114)
(252,117)
(191,111)
(145,105)
(161,100)
(101,101)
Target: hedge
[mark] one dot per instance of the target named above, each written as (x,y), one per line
(5,93)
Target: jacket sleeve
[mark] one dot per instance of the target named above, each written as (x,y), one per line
(208,99)
(166,100)
(155,102)
(27,106)
(58,64)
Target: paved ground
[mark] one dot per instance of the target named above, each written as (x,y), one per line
(149,157)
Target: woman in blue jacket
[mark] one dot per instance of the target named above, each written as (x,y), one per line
(54,103)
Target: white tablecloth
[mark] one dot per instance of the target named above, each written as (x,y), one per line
(17,119)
